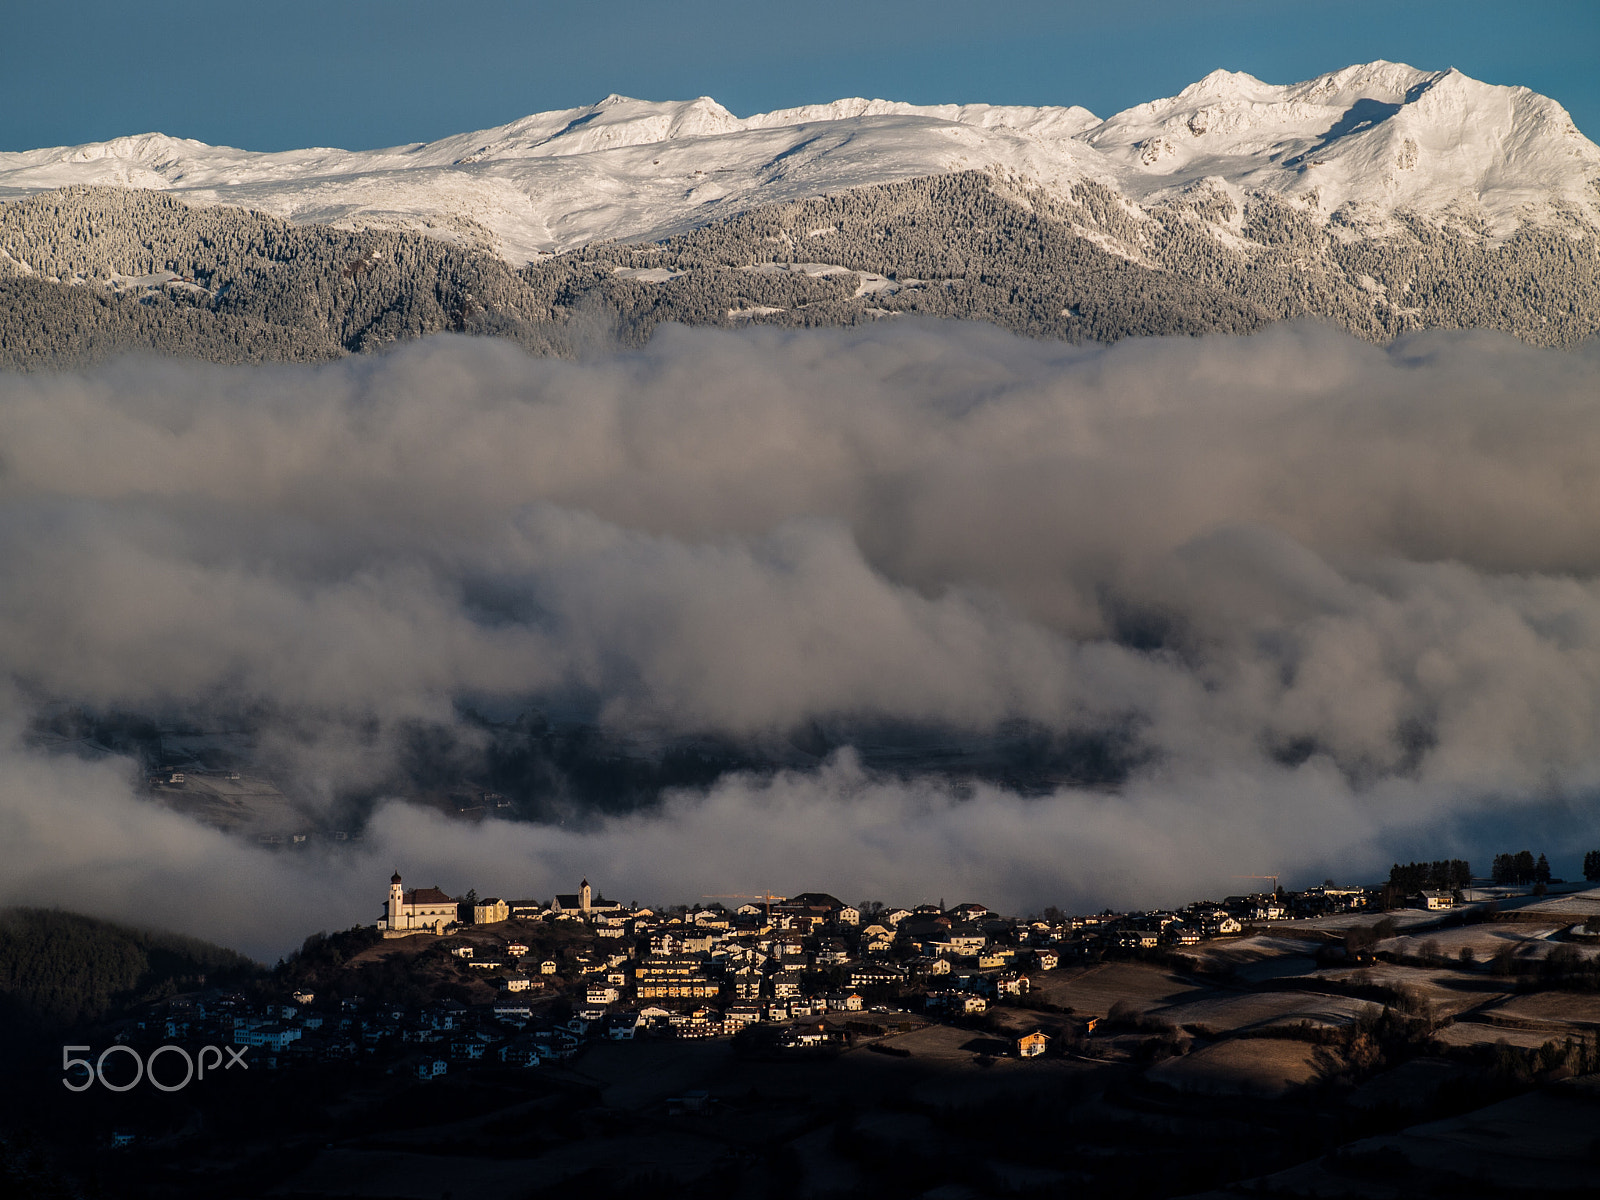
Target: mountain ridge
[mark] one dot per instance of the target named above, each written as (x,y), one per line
(228,285)
(1374,139)
(1379,198)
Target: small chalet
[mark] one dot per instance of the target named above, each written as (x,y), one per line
(1032,1045)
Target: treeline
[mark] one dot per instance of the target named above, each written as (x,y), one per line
(1521,867)
(322,956)
(1541,284)
(60,969)
(248,287)
(1084,266)
(953,245)
(1442,875)
(1090,266)
(53,325)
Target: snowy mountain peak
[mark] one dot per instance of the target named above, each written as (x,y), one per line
(616,121)
(1379,136)
(143,147)
(1379,80)
(1222,85)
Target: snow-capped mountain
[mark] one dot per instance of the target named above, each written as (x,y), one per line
(1384,135)
(1380,198)
(621,169)
(1362,143)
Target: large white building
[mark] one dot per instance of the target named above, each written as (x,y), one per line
(422,910)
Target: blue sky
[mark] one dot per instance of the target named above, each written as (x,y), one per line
(277,74)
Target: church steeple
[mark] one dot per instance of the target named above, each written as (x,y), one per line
(585,895)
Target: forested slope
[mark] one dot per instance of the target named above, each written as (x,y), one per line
(90,272)
(93,271)
(60,969)
(1096,268)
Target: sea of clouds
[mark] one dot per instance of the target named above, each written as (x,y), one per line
(1338,601)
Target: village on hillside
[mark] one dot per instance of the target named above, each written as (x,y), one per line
(527,982)
(676,1036)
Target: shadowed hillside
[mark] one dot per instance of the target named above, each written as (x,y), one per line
(60,969)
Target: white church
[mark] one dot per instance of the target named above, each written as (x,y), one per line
(583,903)
(422,910)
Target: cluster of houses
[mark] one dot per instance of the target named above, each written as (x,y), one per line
(789,964)
(1204,919)
(715,970)
(782,958)
(430,1041)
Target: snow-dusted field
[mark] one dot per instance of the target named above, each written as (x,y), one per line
(1092,992)
(1262,1067)
(1553,1008)
(1572,909)
(1474,1033)
(1449,993)
(1251,1010)
(1483,940)
(1258,958)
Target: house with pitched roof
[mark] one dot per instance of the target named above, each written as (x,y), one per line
(1032,1045)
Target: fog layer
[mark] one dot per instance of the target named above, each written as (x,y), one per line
(1335,602)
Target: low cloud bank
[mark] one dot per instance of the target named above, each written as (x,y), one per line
(1338,602)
